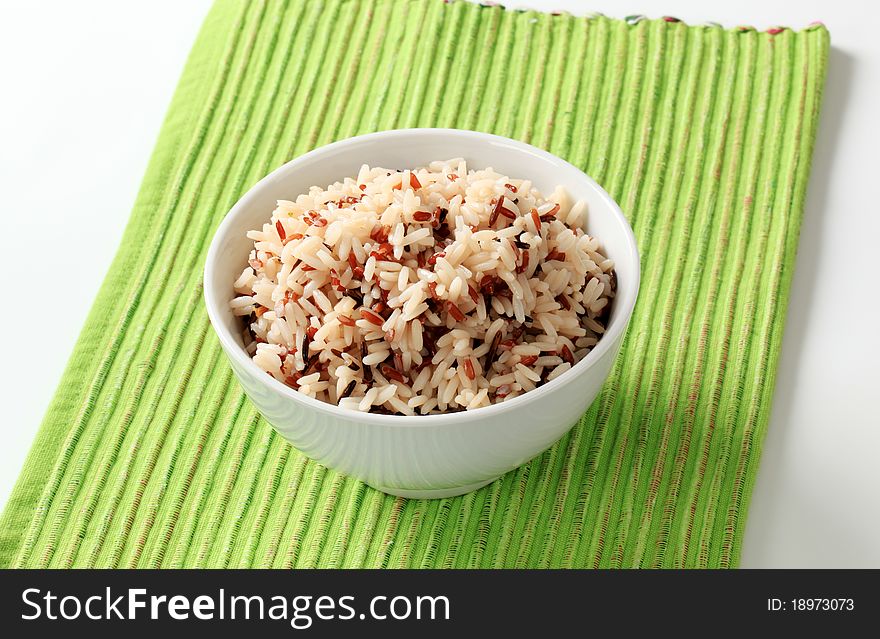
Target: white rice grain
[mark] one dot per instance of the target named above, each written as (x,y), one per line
(367,274)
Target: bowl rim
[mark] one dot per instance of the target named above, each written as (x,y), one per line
(615,330)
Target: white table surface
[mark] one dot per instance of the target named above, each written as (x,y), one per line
(85,89)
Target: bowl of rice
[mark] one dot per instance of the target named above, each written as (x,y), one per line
(423,309)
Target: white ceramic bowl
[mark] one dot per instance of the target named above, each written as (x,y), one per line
(430,455)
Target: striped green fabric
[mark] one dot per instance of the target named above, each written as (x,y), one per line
(151,456)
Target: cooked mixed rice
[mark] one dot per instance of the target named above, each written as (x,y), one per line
(423,291)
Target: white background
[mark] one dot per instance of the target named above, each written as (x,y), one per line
(85,88)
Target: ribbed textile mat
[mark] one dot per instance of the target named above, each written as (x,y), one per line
(151,456)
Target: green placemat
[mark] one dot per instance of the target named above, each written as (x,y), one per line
(150,455)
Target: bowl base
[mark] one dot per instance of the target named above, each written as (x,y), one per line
(437,493)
